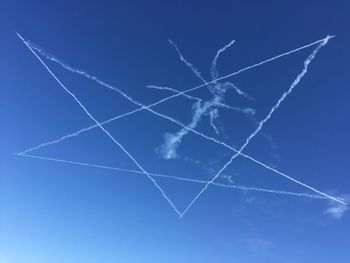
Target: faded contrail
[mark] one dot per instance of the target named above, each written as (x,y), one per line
(213,115)
(182,93)
(101,127)
(174,91)
(276,106)
(237,187)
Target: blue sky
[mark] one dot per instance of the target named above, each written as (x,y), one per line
(58,212)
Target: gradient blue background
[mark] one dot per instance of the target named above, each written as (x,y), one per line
(51,212)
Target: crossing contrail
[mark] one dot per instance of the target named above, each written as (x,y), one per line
(173,141)
(214,72)
(188,64)
(248,111)
(261,124)
(178,94)
(218,90)
(101,127)
(156,103)
(178,178)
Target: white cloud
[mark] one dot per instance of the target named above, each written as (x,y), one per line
(337,210)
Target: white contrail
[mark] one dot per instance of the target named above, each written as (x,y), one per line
(83,73)
(218,90)
(214,115)
(214,71)
(248,111)
(188,64)
(176,138)
(181,93)
(276,106)
(192,180)
(174,91)
(101,127)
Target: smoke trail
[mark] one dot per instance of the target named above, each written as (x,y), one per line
(276,106)
(237,187)
(198,133)
(101,127)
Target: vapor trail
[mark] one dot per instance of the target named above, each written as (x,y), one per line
(261,123)
(173,120)
(218,90)
(174,91)
(188,64)
(172,141)
(214,71)
(177,94)
(214,115)
(248,111)
(191,180)
(101,127)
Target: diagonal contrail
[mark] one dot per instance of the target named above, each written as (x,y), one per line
(175,95)
(101,127)
(156,103)
(261,124)
(248,111)
(178,178)
(218,90)
(178,136)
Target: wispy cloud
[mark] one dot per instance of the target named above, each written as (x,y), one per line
(337,210)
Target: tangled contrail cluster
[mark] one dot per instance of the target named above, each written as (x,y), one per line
(210,107)
(201,107)
(262,122)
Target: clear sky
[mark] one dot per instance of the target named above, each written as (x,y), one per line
(54,211)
